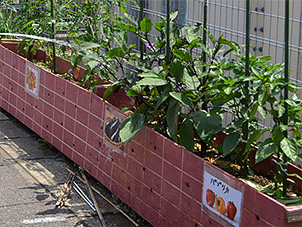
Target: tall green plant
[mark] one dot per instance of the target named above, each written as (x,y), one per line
(7,17)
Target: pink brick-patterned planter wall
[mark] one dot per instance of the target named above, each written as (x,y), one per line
(160,180)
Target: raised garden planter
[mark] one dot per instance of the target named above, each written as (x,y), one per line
(161,181)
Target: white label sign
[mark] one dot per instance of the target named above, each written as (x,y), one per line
(222,199)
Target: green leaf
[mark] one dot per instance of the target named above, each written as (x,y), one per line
(146,25)
(163,97)
(289,147)
(230,142)
(207,125)
(148,74)
(131,18)
(191,35)
(127,27)
(214,41)
(159,26)
(192,82)
(277,135)
(121,44)
(115,52)
(263,98)
(134,91)
(266,149)
(152,81)
(290,201)
(183,54)
(181,98)
(75,60)
(186,135)
(262,111)
(290,102)
(294,175)
(88,45)
(254,110)
(281,110)
(173,15)
(90,61)
(177,69)
(110,89)
(253,138)
(131,126)
(172,119)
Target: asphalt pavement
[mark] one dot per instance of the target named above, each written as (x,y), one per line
(31,175)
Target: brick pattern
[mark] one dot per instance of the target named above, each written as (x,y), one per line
(159,179)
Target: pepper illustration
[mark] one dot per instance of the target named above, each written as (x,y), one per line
(220,205)
(210,196)
(231,210)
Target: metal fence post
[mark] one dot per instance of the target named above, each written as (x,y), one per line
(53,36)
(204,37)
(168,33)
(247,73)
(141,15)
(286,68)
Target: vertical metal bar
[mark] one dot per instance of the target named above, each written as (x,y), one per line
(286,63)
(299,41)
(247,57)
(247,73)
(168,33)
(52,36)
(205,21)
(141,15)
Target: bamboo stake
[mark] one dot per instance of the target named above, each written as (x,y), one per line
(96,205)
(63,190)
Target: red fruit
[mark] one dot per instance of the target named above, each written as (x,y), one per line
(231,210)
(210,195)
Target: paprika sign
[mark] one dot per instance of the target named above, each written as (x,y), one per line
(222,199)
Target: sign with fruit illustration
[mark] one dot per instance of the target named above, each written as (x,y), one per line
(222,199)
(32,79)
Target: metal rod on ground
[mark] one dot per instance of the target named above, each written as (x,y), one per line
(83,196)
(107,200)
(94,200)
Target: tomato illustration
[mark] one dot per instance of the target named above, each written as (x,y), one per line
(231,210)
(220,205)
(210,195)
